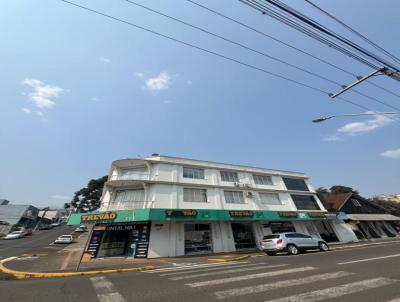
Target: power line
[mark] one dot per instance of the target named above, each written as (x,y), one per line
(255,51)
(319,27)
(376,46)
(289,45)
(210,52)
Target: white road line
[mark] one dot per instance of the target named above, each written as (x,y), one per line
(105,290)
(337,291)
(249,277)
(191,266)
(364,244)
(235,270)
(275,285)
(369,259)
(212,269)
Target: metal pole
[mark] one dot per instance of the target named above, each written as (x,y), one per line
(360,80)
(322,119)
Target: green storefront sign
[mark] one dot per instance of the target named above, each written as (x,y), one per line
(188,215)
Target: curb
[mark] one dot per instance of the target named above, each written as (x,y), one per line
(229,259)
(26,275)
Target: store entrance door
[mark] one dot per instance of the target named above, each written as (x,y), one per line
(197,238)
(243,235)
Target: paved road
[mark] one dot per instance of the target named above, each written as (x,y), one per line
(40,239)
(358,274)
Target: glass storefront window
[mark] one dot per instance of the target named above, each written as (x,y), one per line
(197,238)
(243,235)
(281,227)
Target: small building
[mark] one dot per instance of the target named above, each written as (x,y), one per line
(163,206)
(17,215)
(365,218)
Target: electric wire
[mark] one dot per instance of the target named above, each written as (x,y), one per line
(373,44)
(256,51)
(213,53)
(289,45)
(321,28)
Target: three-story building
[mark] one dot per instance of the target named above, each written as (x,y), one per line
(163,206)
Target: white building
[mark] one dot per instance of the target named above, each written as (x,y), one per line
(163,206)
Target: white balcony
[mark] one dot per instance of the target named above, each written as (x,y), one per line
(130,176)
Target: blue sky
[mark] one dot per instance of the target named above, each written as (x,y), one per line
(79,91)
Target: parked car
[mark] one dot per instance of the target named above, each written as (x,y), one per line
(28,232)
(64,239)
(292,243)
(55,224)
(15,235)
(81,228)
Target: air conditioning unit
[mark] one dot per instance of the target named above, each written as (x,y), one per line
(250,194)
(236,184)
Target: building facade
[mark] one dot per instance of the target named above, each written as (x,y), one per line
(163,206)
(16,215)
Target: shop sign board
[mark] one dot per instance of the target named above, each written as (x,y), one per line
(241,213)
(287,214)
(315,214)
(99,218)
(180,213)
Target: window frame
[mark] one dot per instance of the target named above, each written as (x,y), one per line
(203,193)
(263,177)
(234,178)
(269,204)
(288,186)
(194,170)
(315,203)
(235,191)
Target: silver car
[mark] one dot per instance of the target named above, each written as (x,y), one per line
(292,243)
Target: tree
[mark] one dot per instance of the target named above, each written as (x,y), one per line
(339,189)
(391,206)
(87,199)
(322,193)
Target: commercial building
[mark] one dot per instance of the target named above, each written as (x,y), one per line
(17,215)
(163,206)
(366,219)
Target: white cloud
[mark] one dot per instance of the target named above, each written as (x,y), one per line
(394,153)
(26,110)
(95,99)
(160,82)
(139,74)
(60,197)
(104,60)
(167,102)
(367,126)
(333,138)
(42,93)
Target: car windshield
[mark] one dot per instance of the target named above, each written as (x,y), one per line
(271,237)
(65,236)
(16,232)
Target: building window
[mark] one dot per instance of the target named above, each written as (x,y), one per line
(262,179)
(305,202)
(229,176)
(295,184)
(129,195)
(269,198)
(194,195)
(356,202)
(234,197)
(193,173)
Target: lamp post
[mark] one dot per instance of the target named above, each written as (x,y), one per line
(324,118)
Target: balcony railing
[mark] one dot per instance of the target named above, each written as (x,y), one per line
(131,176)
(129,205)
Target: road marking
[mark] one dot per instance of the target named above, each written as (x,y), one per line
(66,261)
(212,269)
(191,266)
(337,291)
(280,284)
(364,244)
(249,277)
(105,290)
(235,270)
(369,259)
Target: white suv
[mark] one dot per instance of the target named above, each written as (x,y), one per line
(292,243)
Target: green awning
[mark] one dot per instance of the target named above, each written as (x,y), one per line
(190,215)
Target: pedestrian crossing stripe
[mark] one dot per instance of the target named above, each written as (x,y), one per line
(191,266)
(337,291)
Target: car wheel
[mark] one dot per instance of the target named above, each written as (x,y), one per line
(270,253)
(323,247)
(292,249)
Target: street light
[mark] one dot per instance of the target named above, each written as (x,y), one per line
(324,118)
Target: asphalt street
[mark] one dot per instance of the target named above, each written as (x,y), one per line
(38,240)
(363,273)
